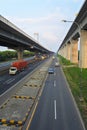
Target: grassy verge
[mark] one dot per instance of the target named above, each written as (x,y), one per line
(64,62)
(77,80)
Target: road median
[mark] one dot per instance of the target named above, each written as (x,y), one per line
(20,99)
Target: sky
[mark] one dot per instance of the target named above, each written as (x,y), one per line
(43,17)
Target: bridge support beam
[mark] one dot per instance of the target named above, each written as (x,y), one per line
(20,53)
(74,51)
(83,49)
(68,51)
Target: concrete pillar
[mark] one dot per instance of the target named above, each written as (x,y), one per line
(20,53)
(83,49)
(74,51)
(62,52)
(65,51)
(68,51)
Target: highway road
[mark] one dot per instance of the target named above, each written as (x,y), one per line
(7,64)
(56,109)
(7,81)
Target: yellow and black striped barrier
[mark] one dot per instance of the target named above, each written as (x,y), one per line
(33,85)
(6,122)
(23,97)
(11,122)
(3,106)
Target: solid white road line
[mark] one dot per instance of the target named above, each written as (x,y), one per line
(55,113)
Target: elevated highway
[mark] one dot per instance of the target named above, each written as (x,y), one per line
(14,38)
(78,30)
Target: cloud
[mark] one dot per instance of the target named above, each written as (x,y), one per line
(50,36)
(49,17)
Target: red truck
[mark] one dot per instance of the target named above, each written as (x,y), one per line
(17,66)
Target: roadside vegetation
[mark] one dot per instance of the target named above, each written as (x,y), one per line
(10,55)
(77,80)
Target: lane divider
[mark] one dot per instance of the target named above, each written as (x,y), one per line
(33,85)
(3,105)
(32,116)
(11,122)
(14,122)
(19,123)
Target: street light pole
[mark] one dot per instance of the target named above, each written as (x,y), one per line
(71,22)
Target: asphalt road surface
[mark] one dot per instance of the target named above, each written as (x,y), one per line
(7,81)
(7,64)
(56,109)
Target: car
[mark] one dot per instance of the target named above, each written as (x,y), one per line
(53,57)
(56,64)
(51,70)
(12,70)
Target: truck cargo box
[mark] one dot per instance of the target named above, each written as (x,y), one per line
(17,66)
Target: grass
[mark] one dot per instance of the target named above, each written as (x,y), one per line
(78,83)
(65,62)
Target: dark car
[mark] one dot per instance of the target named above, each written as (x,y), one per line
(51,70)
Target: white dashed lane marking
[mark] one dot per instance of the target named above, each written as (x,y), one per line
(54,83)
(9,81)
(55,113)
